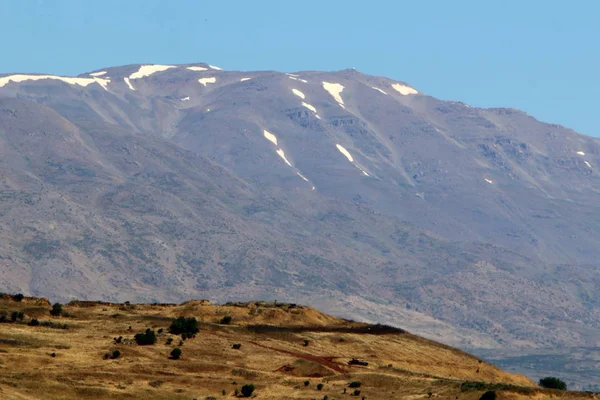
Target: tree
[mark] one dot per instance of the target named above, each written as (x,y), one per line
(247,390)
(320,386)
(146,338)
(18,297)
(551,382)
(57,310)
(489,395)
(34,322)
(115,354)
(182,325)
(176,353)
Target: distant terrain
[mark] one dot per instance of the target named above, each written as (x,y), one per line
(285,351)
(356,194)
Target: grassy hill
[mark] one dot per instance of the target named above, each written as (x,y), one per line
(286,351)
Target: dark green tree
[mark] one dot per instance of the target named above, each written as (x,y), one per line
(56,310)
(146,338)
(225,320)
(176,353)
(188,326)
(247,390)
(551,382)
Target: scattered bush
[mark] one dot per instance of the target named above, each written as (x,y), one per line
(115,354)
(160,330)
(146,338)
(356,392)
(56,310)
(236,346)
(50,324)
(247,390)
(306,342)
(34,322)
(118,340)
(320,387)
(225,320)
(18,297)
(489,395)
(176,353)
(551,382)
(306,383)
(182,325)
(355,384)
(169,341)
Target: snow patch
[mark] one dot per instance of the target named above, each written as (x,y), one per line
(204,81)
(488,180)
(71,81)
(334,89)
(215,68)
(581,153)
(294,75)
(298,93)
(245,79)
(403,89)
(185,98)
(379,90)
(298,79)
(147,70)
(282,155)
(100,73)
(364,172)
(310,107)
(197,69)
(345,152)
(270,137)
(317,116)
(588,164)
(302,176)
(128,83)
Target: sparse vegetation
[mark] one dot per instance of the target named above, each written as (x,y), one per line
(320,386)
(34,322)
(236,346)
(306,383)
(551,382)
(56,310)
(306,343)
(355,384)
(146,338)
(176,353)
(226,320)
(247,390)
(186,327)
(18,297)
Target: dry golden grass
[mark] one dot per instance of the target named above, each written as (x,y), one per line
(401,365)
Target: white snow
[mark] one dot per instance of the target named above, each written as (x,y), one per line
(100,73)
(376,88)
(128,83)
(488,180)
(344,152)
(334,90)
(197,69)
(215,68)
(310,107)
(294,75)
(298,79)
(302,176)
(298,93)
(204,81)
(245,79)
(71,81)
(317,116)
(403,89)
(588,164)
(147,70)
(270,137)
(581,153)
(282,155)
(185,98)
(364,173)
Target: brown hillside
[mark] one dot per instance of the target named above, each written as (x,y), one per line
(38,362)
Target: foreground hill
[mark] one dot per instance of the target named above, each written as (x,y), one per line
(283,346)
(353,193)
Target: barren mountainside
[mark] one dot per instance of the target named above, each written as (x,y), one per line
(353,193)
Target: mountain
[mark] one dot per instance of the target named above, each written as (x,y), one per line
(353,193)
(286,351)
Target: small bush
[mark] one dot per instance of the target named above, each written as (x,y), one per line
(247,390)
(3,317)
(226,320)
(18,297)
(169,341)
(489,395)
(551,382)
(115,354)
(176,353)
(160,330)
(356,392)
(355,384)
(118,340)
(56,310)
(306,383)
(182,325)
(34,322)
(306,342)
(146,338)
(13,316)
(236,346)
(320,386)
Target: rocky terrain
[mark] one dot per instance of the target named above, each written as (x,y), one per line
(353,193)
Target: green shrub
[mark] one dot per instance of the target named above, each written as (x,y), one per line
(225,320)
(146,338)
(14,316)
(236,346)
(187,326)
(169,341)
(306,383)
(34,322)
(18,297)
(247,390)
(56,310)
(355,384)
(551,382)
(176,353)
(489,395)
(320,386)
(306,342)
(115,354)
(356,392)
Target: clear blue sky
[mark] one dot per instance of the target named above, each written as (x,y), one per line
(540,56)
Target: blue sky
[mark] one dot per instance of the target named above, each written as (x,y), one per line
(538,56)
